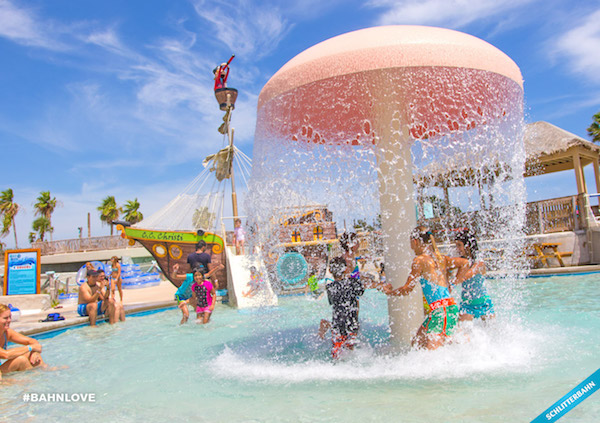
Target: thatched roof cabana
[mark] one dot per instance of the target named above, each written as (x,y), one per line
(552,149)
(548,149)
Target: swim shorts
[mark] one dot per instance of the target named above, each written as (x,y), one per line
(180,298)
(442,319)
(341,342)
(477,307)
(203,310)
(82,309)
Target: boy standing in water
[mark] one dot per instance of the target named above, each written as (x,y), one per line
(342,293)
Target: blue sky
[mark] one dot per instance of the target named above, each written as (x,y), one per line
(115,97)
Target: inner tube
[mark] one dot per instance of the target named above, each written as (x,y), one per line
(98,265)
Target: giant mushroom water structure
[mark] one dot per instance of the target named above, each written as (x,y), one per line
(385,89)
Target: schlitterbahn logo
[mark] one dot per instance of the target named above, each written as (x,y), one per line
(572,399)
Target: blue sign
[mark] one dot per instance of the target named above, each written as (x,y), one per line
(571,400)
(22,272)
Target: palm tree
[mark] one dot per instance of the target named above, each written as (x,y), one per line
(109,211)
(32,237)
(8,211)
(132,213)
(45,207)
(594,129)
(42,225)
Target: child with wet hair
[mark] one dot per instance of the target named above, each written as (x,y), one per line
(475,301)
(343,293)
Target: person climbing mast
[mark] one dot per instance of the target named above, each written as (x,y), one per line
(221,73)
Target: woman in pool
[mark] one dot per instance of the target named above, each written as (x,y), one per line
(430,269)
(24,357)
(475,301)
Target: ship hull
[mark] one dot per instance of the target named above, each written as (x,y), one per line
(173,247)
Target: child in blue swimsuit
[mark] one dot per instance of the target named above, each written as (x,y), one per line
(475,301)
(430,269)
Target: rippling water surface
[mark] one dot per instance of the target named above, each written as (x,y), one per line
(269,366)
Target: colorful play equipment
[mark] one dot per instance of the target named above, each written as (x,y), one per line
(387,87)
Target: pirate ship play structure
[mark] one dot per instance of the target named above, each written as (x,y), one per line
(197,213)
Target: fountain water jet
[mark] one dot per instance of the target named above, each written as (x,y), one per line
(383,88)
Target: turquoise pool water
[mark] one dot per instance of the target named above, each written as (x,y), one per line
(269,365)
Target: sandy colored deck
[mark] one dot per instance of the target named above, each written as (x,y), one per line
(134,300)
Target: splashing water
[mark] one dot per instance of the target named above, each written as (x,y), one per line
(459,140)
(269,365)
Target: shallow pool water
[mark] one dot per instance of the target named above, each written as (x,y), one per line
(268,365)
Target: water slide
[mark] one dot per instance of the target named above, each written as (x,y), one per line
(238,278)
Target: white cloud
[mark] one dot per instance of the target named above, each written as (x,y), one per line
(23,27)
(108,39)
(448,13)
(247,29)
(580,46)
(18,24)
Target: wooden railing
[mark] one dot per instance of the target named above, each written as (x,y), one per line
(555,215)
(78,245)
(546,216)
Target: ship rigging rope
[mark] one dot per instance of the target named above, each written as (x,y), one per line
(201,202)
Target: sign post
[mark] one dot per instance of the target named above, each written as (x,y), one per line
(22,271)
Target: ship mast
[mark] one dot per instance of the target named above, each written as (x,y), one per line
(226,98)
(233,193)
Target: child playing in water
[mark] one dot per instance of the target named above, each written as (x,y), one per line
(475,301)
(312,284)
(342,293)
(204,295)
(430,269)
(184,294)
(239,237)
(255,284)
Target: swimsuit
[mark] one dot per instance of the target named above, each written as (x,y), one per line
(5,343)
(82,309)
(239,234)
(443,317)
(203,297)
(475,299)
(313,284)
(184,292)
(343,296)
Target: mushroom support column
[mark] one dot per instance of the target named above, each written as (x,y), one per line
(398,219)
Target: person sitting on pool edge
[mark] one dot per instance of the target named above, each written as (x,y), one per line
(92,300)
(24,357)
(111,300)
(342,293)
(430,269)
